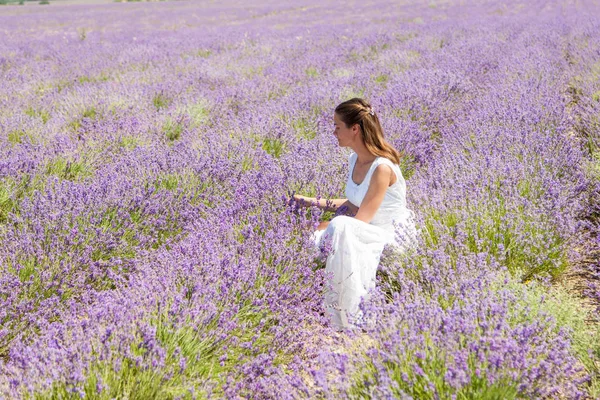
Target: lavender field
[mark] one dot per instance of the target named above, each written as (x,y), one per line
(148,152)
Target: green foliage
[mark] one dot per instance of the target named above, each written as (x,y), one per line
(593,167)
(488,229)
(193,356)
(44,2)
(16,136)
(203,53)
(68,169)
(8,198)
(74,125)
(190,359)
(19,2)
(32,269)
(433,363)
(368,53)
(248,163)
(6,202)
(129,142)
(438,43)
(103,77)
(408,166)
(351,92)
(161,101)
(82,33)
(253,71)
(198,113)
(186,184)
(312,72)
(168,182)
(418,113)
(193,344)
(382,79)
(274,147)
(63,84)
(569,312)
(305,128)
(89,112)
(534,301)
(172,129)
(13,190)
(43,114)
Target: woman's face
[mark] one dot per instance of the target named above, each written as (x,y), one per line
(344,135)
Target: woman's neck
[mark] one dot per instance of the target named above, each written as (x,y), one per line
(364,156)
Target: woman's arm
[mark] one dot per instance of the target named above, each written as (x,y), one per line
(380,181)
(326,204)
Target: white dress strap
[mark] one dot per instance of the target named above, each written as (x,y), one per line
(386,161)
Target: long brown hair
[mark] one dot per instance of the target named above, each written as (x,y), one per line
(358,111)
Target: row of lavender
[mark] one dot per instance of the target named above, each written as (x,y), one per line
(147,248)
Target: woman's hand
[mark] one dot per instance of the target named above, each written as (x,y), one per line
(301,201)
(298,198)
(347,208)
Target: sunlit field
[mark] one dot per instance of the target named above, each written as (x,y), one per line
(148,151)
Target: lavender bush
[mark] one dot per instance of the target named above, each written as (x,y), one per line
(148,248)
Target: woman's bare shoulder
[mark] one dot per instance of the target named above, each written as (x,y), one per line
(385,173)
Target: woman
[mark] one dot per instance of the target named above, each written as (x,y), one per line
(376,197)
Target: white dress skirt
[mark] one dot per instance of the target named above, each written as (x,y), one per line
(354,247)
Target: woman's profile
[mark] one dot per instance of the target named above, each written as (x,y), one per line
(376,204)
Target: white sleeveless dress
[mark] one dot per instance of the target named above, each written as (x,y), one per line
(356,246)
